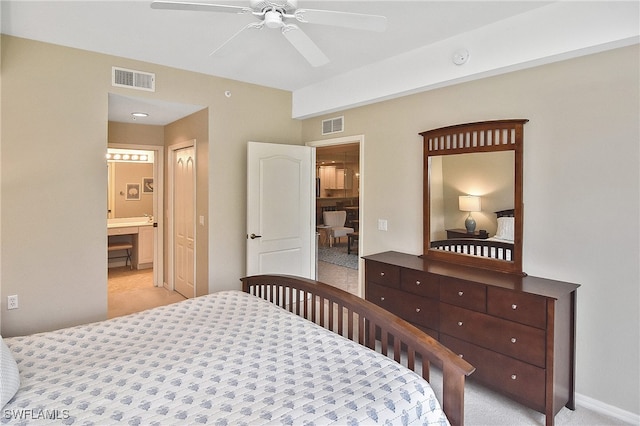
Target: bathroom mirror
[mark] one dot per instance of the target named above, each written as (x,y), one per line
(130,183)
(472,205)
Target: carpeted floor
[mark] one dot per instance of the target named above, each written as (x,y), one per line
(132,291)
(484,407)
(337,255)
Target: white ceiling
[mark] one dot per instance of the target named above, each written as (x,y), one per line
(184,39)
(160,113)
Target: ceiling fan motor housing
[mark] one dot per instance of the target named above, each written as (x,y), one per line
(284,6)
(273,19)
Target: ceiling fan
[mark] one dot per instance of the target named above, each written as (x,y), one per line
(278,13)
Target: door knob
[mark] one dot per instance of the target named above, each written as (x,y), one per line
(254,236)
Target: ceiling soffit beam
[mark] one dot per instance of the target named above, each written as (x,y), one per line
(556,32)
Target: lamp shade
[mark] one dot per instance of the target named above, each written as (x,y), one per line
(469,203)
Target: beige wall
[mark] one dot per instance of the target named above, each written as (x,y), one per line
(54,253)
(135,134)
(581,191)
(126,173)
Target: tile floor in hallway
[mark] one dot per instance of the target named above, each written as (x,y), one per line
(339,276)
(133,291)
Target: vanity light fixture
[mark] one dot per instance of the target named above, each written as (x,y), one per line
(127,157)
(469,203)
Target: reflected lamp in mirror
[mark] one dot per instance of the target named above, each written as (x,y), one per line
(469,203)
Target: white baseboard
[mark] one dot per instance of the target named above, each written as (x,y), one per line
(610,410)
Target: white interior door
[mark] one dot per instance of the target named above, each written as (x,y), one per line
(184,221)
(280,209)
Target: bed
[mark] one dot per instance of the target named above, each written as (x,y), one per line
(235,358)
(500,246)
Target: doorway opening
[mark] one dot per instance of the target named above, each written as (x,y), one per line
(134,197)
(338,212)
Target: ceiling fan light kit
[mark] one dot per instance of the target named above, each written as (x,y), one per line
(274,14)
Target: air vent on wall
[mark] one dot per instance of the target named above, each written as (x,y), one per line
(333,125)
(122,77)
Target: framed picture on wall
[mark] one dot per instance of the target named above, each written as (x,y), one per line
(147,185)
(133,192)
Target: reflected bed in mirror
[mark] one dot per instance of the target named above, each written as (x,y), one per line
(473,194)
(500,246)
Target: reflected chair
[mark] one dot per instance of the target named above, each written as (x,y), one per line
(336,220)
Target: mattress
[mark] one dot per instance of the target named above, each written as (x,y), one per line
(226,359)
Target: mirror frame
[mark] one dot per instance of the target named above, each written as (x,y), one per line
(485,136)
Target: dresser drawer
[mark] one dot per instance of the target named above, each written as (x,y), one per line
(383,274)
(463,293)
(523,381)
(415,309)
(509,338)
(421,283)
(524,308)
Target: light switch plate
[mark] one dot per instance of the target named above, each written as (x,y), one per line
(382,224)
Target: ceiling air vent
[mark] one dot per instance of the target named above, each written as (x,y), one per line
(122,77)
(333,125)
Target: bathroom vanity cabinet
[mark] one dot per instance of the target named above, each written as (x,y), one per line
(140,234)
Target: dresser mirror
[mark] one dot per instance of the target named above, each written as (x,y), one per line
(472,205)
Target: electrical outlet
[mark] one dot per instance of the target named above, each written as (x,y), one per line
(382,224)
(12,302)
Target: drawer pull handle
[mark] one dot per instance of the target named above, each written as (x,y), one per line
(382,299)
(417,309)
(514,306)
(513,340)
(460,323)
(461,355)
(514,377)
(382,274)
(417,282)
(460,293)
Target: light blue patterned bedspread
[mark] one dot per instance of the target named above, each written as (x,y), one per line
(224,359)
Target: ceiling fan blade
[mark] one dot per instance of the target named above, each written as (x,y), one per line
(334,18)
(220,51)
(304,45)
(202,7)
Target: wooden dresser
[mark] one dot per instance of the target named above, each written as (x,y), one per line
(519,332)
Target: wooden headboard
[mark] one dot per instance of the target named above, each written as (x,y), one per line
(506,213)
